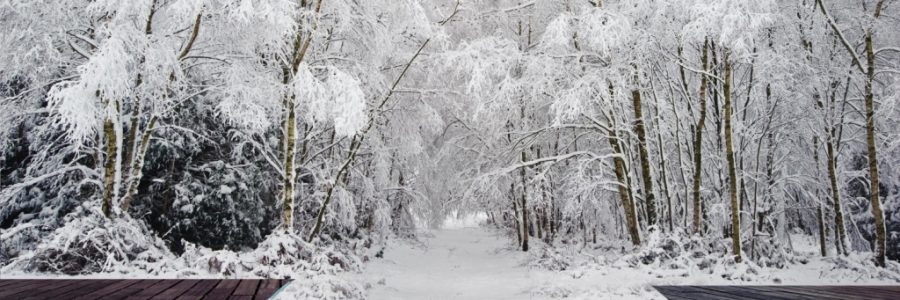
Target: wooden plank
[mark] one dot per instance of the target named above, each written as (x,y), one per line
(780,292)
(176,290)
(750,292)
(240,298)
(672,293)
(816,292)
(247,287)
(267,288)
(891,288)
(132,290)
(201,289)
(109,289)
(153,290)
(49,287)
(10,292)
(859,291)
(61,288)
(732,294)
(11,282)
(680,292)
(222,290)
(85,287)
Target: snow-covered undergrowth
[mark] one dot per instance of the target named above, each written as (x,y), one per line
(315,267)
(90,245)
(674,255)
(606,271)
(485,263)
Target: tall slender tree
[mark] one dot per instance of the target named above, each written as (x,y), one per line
(730,158)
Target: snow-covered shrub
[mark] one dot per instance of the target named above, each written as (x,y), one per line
(91,243)
(315,266)
(552,292)
(858,266)
(677,253)
(549,258)
(40,181)
(768,252)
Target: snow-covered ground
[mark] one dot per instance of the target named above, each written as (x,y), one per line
(477,263)
(480,263)
(463,263)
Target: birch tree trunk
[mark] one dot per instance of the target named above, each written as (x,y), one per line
(698,144)
(287,209)
(644,158)
(729,156)
(623,186)
(880,230)
(111,163)
(840,229)
(137,164)
(289,129)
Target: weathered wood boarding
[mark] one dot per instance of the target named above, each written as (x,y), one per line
(139,289)
(780,292)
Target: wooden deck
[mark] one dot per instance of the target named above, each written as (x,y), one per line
(134,289)
(780,292)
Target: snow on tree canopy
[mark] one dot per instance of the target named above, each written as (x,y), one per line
(731,23)
(249,97)
(104,79)
(596,30)
(336,99)
(279,14)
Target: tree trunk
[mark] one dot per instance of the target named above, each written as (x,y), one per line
(698,144)
(644,158)
(821,218)
(512,195)
(131,140)
(624,189)
(880,230)
(137,165)
(110,170)
(729,156)
(287,196)
(525,223)
(840,230)
(823,232)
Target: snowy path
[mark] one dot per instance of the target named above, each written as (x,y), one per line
(468,263)
(477,263)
